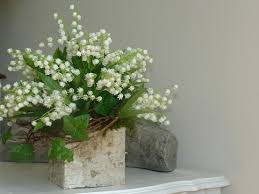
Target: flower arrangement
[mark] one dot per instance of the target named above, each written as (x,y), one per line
(82,88)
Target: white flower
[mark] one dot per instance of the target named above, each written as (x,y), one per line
(95,61)
(41,45)
(83,42)
(49,39)
(127,96)
(60,41)
(74,31)
(150,90)
(79,27)
(167,123)
(80,90)
(74,23)
(50,45)
(120,96)
(34,123)
(49,58)
(103,31)
(72,106)
(55,15)
(71,90)
(99,98)
(81,34)
(48,123)
(78,53)
(72,7)
(131,88)
(167,92)
(78,17)
(90,93)
(10,50)
(62,84)
(28,50)
(58,61)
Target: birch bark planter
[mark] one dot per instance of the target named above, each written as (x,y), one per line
(98,162)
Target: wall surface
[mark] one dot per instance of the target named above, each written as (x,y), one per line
(211,48)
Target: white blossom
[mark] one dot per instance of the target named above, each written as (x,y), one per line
(122,73)
(72,6)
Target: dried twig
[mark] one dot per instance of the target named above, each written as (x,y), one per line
(96,126)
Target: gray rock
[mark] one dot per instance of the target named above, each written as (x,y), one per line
(19,134)
(41,151)
(151,147)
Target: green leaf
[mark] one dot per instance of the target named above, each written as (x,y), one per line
(77,62)
(6,136)
(39,125)
(130,124)
(31,112)
(59,152)
(108,104)
(77,80)
(58,54)
(30,63)
(129,103)
(77,126)
(49,82)
(34,109)
(83,107)
(64,54)
(134,112)
(82,66)
(54,129)
(126,57)
(22,153)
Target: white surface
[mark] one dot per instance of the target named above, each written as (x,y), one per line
(32,179)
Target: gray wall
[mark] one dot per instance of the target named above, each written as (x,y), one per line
(211,48)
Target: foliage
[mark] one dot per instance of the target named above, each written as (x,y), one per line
(64,93)
(108,105)
(76,126)
(7,135)
(59,152)
(22,152)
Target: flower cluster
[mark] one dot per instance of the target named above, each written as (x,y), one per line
(83,79)
(19,95)
(154,101)
(58,108)
(17,64)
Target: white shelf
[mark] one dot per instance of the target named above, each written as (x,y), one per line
(32,179)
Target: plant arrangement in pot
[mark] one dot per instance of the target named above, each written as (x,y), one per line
(80,100)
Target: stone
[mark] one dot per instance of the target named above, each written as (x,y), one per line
(151,147)
(98,162)
(41,151)
(19,134)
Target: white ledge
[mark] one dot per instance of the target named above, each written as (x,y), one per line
(32,179)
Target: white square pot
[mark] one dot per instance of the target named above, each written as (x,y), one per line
(98,162)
